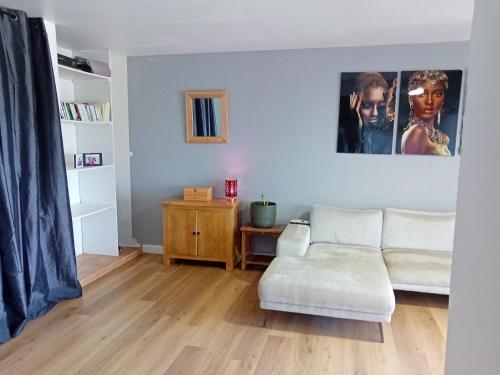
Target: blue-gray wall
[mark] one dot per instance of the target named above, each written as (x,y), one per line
(283,114)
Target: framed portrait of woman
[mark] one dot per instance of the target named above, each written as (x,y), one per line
(366,112)
(429,111)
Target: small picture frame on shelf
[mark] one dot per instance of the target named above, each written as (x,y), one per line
(92,159)
(78,161)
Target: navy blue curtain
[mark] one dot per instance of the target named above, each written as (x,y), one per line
(37,257)
(205,123)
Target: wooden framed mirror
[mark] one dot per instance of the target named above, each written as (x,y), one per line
(206,116)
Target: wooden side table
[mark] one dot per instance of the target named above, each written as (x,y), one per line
(249,256)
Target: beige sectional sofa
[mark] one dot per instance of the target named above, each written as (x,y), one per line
(347,263)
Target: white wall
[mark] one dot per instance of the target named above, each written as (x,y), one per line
(474,316)
(50,28)
(118,65)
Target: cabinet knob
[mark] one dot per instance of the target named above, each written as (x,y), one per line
(197,233)
(194,233)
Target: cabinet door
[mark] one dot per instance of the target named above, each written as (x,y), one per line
(214,238)
(181,232)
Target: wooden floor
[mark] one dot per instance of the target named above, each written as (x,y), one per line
(144,318)
(91,267)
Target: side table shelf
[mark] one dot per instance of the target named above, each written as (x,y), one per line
(249,256)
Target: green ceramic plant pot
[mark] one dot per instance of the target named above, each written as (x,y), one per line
(262,215)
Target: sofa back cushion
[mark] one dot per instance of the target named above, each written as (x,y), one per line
(418,230)
(346,227)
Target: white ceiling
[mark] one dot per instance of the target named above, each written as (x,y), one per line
(192,26)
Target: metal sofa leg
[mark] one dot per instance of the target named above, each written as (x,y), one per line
(381,329)
(264,321)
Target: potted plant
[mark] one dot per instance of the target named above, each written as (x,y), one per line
(262,213)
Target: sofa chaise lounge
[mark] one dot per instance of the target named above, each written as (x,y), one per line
(333,268)
(336,267)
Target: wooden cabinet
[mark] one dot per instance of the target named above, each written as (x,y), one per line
(181,239)
(200,230)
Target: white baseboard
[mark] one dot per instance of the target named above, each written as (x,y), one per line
(152,249)
(129,243)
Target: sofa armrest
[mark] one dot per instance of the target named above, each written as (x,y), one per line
(294,241)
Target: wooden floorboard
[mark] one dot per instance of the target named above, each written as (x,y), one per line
(144,318)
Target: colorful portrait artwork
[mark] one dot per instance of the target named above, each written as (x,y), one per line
(366,113)
(429,102)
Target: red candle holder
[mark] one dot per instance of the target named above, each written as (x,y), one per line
(231,189)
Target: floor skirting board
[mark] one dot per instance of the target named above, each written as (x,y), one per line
(152,249)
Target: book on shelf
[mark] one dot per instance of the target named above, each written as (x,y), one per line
(85,112)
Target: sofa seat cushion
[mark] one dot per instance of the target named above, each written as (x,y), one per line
(355,282)
(418,269)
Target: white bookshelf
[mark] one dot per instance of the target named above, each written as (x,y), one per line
(92,190)
(72,169)
(76,75)
(81,210)
(86,123)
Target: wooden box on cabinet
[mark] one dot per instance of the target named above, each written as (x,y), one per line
(200,193)
(200,230)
